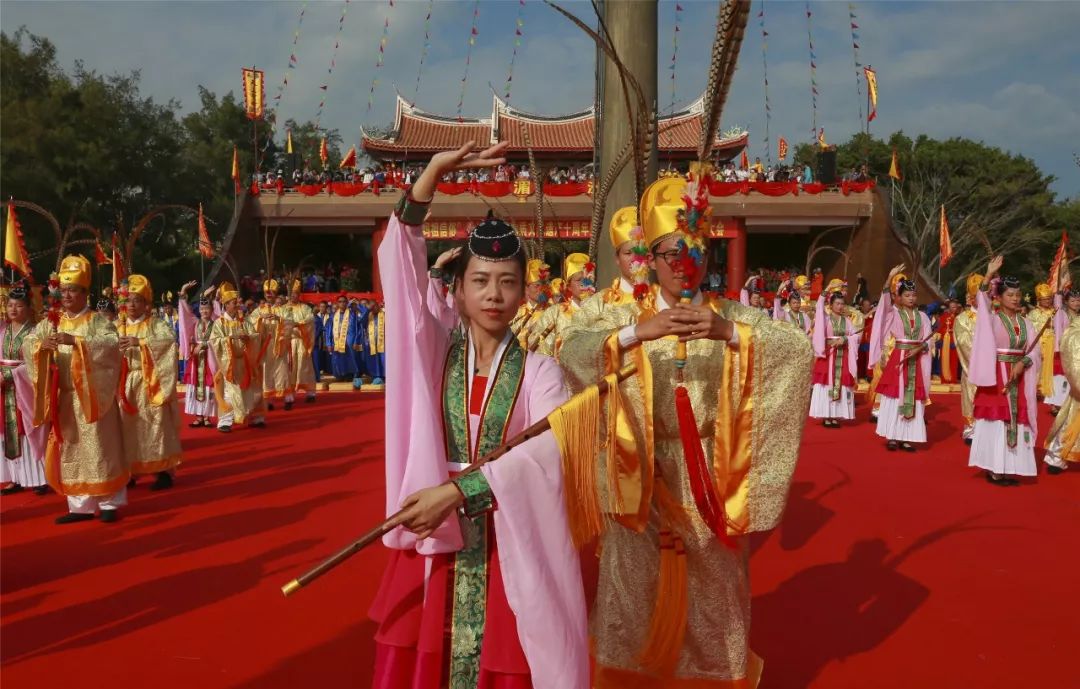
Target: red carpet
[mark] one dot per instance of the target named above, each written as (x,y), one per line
(890,570)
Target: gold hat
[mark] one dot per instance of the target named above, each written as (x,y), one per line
(532,271)
(226,293)
(270,287)
(1043,291)
(974,282)
(138,284)
(660,207)
(897,279)
(75,270)
(622,222)
(294,287)
(802,282)
(574,264)
(557,285)
(836,285)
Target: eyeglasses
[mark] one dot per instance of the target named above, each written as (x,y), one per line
(668,256)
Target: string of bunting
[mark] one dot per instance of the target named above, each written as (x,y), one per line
(813,72)
(765,73)
(325,87)
(424,50)
(383,40)
(473,33)
(855,55)
(519,31)
(284,85)
(671,68)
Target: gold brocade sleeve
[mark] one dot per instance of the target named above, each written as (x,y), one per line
(781,362)
(964,334)
(37,367)
(95,365)
(858,320)
(158,354)
(1070,363)
(304,322)
(541,334)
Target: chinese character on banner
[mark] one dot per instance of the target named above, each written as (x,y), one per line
(254,93)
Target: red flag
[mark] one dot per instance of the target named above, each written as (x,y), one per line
(1061,261)
(944,242)
(99,254)
(349,161)
(782,148)
(15,256)
(324,153)
(117,264)
(744,161)
(206,247)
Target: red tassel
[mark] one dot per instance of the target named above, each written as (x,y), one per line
(125,403)
(54,400)
(708,503)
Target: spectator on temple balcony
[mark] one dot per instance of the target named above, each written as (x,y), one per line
(380,178)
(758,167)
(296,176)
(523,173)
(727,174)
(807,175)
(863,175)
(311,284)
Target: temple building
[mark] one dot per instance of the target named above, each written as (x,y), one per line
(843,228)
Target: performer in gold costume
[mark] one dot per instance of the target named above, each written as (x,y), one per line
(631,256)
(536,300)
(1063,442)
(74,362)
(236,346)
(149,410)
(274,343)
(964,332)
(299,326)
(698,451)
(1045,310)
(545,335)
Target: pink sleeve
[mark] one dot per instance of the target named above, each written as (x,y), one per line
(853,338)
(880,328)
(441,305)
(926,356)
(416,347)
(821,323)
(187,328)
(541,571)
(778,313)
(744,297)
(983,359)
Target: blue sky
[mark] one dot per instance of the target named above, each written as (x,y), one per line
(1007,73)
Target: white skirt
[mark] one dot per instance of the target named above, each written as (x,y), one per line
(822,406)
(28,471)
(990,449)
(892,426)
(1061,392)
(192,406)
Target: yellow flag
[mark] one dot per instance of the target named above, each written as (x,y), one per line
(894,167)
(288,142)
(14,249)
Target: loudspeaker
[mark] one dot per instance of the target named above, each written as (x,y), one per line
(826,166)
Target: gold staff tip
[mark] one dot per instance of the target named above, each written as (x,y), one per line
(291,588)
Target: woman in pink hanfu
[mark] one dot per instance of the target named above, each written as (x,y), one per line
(199,400)
(490,597)
(1004,367)
(905,381)
(836,346)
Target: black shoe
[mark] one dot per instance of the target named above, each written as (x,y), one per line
(72,517)
(968,441)
(288,406)
(41,490)
(13,488)
(891,446)
(225,429)
(907,447)
(310,399)
(164,480)
(109,516)
(131,483)
(258,424)
(1053,470)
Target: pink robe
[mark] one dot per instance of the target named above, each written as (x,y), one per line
(539,565)
(887,322)
(188,321)
(24,399)
(779,314)
(983,370)
(823,330)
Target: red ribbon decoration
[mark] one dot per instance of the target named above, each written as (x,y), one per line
(709,505)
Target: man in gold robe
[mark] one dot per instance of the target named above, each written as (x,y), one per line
(1063,441)
(631,256)
(236,347)
(698,451)
(149,410)
(299,325)
(545,335)
(74,362)
(964,332)
(535,300)
(269,325)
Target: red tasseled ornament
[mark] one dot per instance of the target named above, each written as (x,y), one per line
(640,291)
(709,504)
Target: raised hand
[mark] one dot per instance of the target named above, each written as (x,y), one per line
(460,159)
(994,266)
(187,285)
(447,256)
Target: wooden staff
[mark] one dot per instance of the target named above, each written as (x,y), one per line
(543,336)
(397,518)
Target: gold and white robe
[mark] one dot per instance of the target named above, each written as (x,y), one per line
(149,409)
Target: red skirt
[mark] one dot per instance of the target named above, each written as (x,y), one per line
(1059,370)
(993,405)
(823,371)
(891,384)
(414,629)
